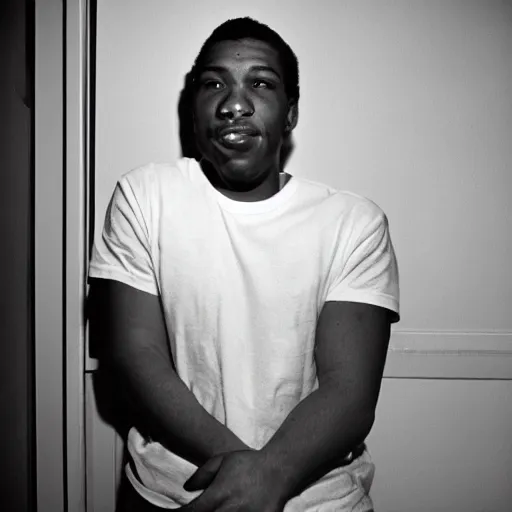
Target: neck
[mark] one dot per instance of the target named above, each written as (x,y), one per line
(264,190)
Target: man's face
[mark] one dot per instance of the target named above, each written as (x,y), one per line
(241,112)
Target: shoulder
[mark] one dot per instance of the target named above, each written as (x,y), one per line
(344,205)
(154,180)
(362,209)
(154,173)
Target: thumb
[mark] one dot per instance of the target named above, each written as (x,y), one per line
(204,476)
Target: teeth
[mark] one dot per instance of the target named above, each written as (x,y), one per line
(234,137)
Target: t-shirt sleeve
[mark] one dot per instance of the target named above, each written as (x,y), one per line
(123,251)
(366,270)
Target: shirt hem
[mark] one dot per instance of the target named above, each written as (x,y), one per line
(152,497)
(123,278)
(382,300)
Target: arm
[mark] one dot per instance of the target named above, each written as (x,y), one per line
(352,337)
(351,346)
(129,328)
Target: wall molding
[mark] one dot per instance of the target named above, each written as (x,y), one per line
(442,355)
(450,355)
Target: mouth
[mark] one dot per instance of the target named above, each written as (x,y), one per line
(239,137)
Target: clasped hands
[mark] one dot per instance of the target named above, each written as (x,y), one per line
(242,481)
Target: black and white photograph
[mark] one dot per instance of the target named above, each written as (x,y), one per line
(256,255)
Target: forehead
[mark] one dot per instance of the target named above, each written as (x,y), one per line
(249,52)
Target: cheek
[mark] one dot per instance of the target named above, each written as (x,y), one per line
(275,120)
(200,111)
(200,125)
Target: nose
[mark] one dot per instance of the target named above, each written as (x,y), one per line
(236,105)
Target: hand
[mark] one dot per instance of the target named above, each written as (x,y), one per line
(237,481)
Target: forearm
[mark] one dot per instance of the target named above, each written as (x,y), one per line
(316,435)
(169,410)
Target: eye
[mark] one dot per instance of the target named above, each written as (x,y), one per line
(262,84)
(212,84)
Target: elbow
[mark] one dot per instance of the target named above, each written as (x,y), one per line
(362,418)
(363,408)
(365,423)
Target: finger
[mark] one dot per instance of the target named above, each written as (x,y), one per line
(203,476)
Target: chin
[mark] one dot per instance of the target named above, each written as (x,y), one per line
(240,175)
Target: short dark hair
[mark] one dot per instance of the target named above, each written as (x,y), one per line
(248,28)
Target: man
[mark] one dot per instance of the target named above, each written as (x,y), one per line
(245,312)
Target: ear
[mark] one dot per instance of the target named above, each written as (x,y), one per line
(292,117)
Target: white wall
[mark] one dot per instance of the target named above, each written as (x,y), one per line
(410,104)
(443,446)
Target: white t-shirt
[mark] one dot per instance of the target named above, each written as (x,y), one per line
(242,285)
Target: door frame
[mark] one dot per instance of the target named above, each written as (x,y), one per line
(61,197)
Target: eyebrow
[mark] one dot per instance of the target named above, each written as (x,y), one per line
(222,69)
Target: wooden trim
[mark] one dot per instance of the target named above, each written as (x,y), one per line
(49,198)
(60,230)
(75,244)
(450,355)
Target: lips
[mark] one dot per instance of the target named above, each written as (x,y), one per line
(237,136)
(242,129)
